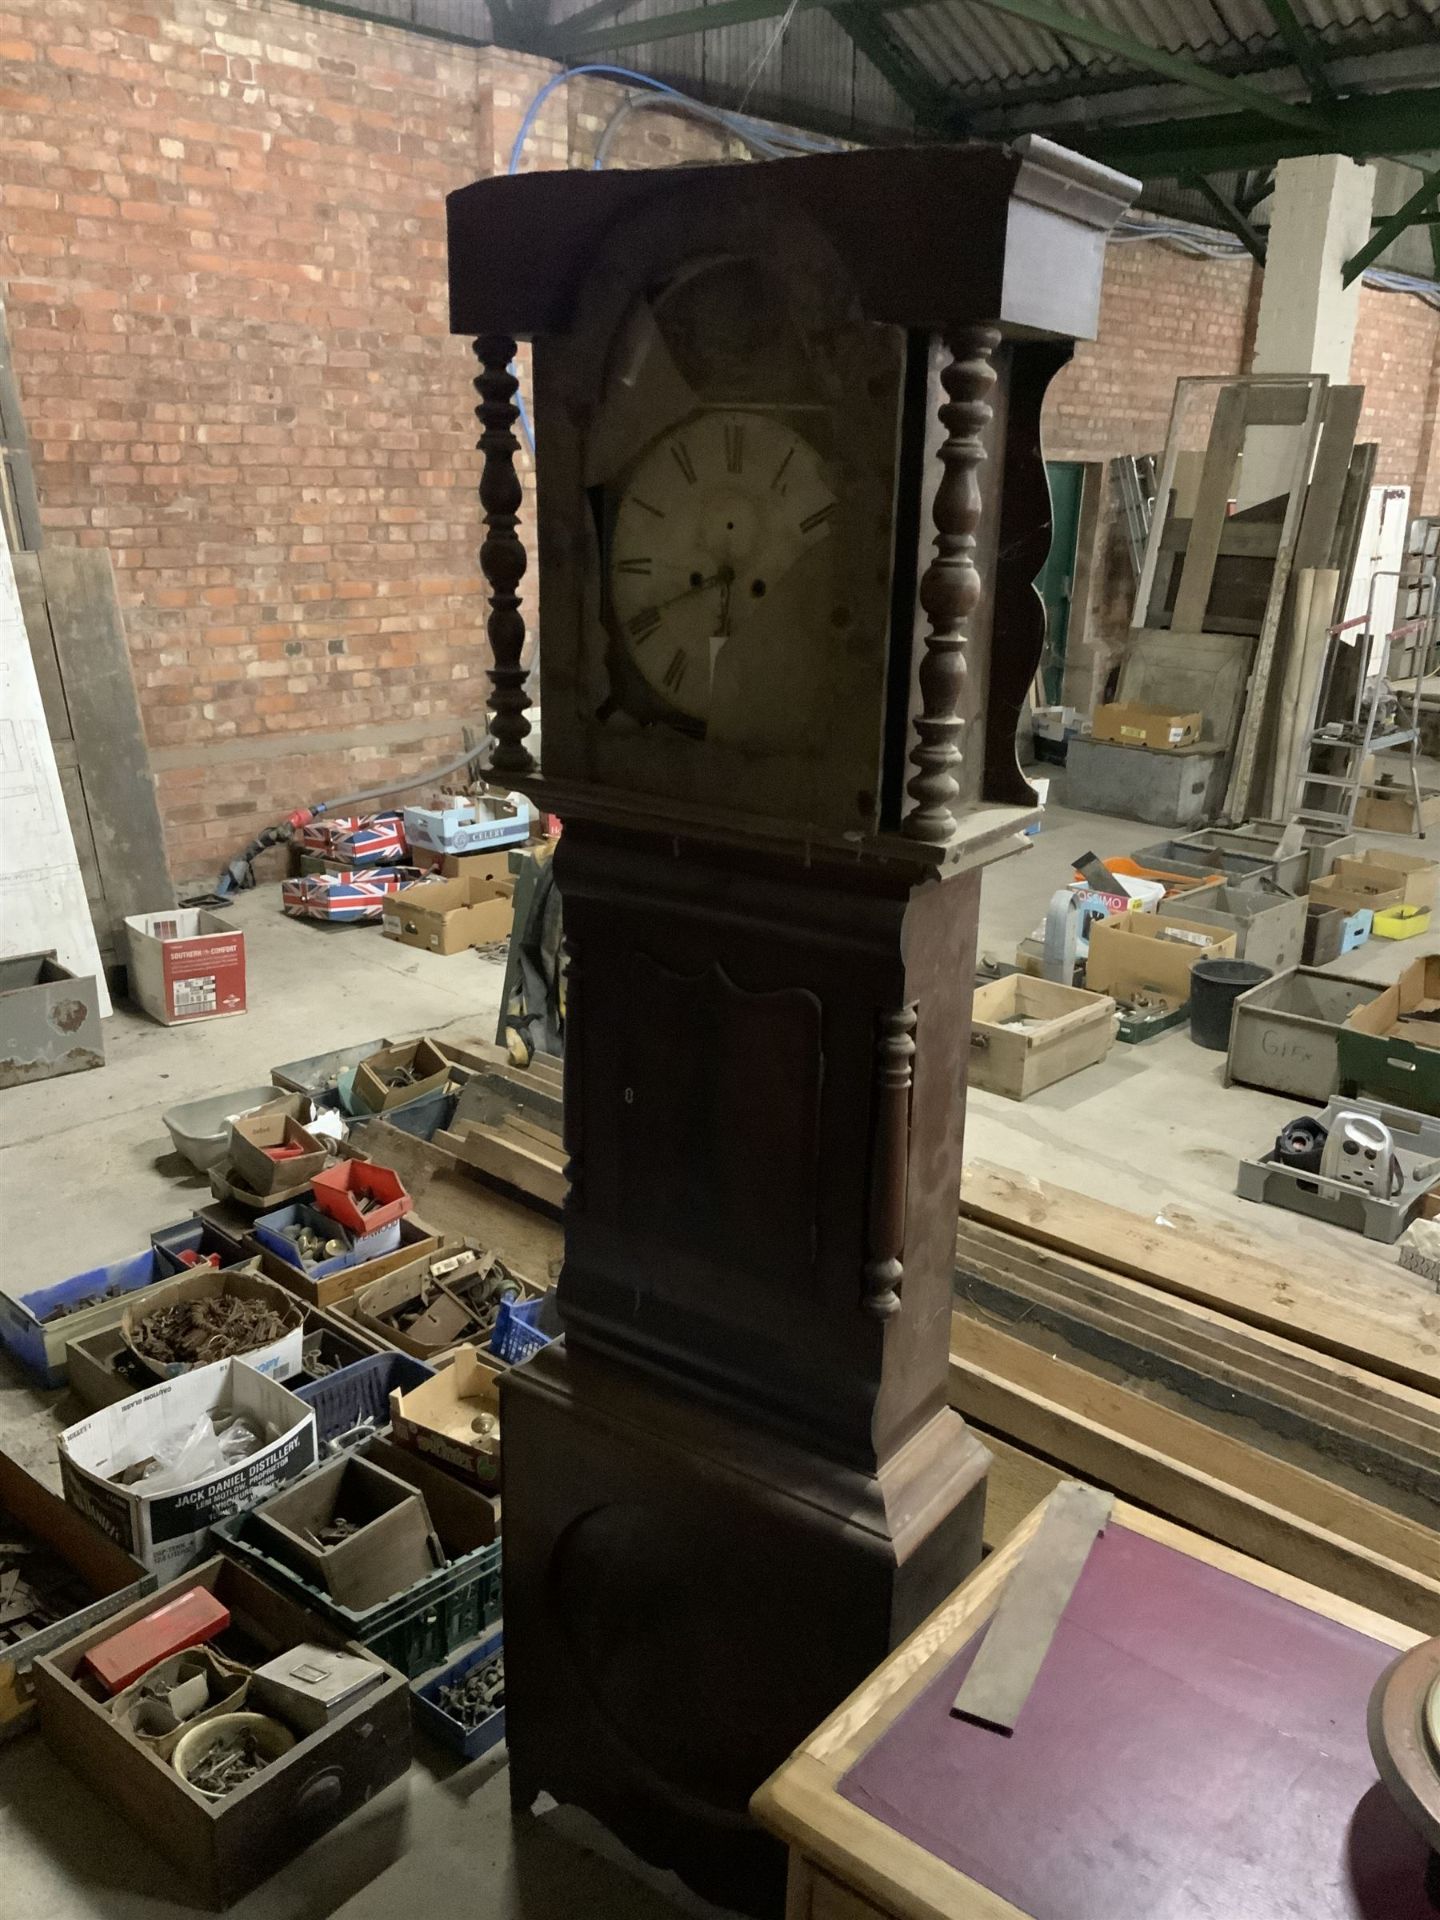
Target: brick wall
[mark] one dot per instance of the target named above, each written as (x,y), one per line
(222,249)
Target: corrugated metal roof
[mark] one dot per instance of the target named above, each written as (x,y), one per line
(984,58)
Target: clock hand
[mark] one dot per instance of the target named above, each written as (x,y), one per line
(721,579)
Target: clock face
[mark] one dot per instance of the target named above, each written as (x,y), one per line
(722,554)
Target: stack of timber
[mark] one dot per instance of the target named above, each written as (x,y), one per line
(1208,1384)
(508,1123)
(1294,1418)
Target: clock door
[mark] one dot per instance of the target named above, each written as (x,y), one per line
(716,526)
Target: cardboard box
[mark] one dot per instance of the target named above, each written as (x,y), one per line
(428,1066)
(49,1020)
(1158,728)
(449,916)
(437,1418)
(1378,880)
(464,866)
(279,1358)
(1148,954)
(468,826)
(185,965)
(254,1134)
(166,1531)
(1065,1029)
(106,1580)
(223,1848)
(1391,809)
(356,839)
(343,896)
(332,1289)
(392,1546)
(1390,1046)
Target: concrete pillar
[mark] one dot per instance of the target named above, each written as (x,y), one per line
(1320,217)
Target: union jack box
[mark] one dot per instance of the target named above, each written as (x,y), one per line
(353,895)
(359,840)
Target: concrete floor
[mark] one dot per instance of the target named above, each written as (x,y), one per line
(86,1173)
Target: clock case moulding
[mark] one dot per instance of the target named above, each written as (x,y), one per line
(736,1483)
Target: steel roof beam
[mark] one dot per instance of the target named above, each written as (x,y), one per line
(872,35)
(1390,230)
(1302,49)
(1229,214)
(1070,27)
(1362,125)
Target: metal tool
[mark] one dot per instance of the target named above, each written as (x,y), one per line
(1360,1152)
(1031,1603)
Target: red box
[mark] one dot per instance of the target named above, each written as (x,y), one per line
(335,1190)
(185,965)
(195,1617)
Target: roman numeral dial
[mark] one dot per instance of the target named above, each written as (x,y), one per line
(715,523)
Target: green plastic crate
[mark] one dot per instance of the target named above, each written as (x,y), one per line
(417,1629)
(1385,1062)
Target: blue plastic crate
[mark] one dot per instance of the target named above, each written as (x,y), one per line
(367,1246)
(516,1336)
(355,1394)
(431,1717)
(37,1341)
(194,1236)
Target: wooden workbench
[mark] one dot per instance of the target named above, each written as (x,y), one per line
(1194,1746)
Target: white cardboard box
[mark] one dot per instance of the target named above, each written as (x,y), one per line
(185,964)
(166,1531)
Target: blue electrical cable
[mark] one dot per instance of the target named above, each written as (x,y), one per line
(768,140)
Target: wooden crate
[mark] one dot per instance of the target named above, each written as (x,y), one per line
(1066,1028)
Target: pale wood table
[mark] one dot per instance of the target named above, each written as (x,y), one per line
(847,1864)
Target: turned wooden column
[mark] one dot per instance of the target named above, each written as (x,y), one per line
(950,585)
(502,553)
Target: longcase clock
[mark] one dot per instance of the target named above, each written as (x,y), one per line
(790,503)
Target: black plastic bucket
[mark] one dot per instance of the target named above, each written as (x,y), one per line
(1215,986)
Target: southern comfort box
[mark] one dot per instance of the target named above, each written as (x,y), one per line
(185,965)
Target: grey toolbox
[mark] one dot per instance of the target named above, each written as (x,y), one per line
(1222,847)
(1194,854)
(1268,923)
(1325,845)
(1416,1139)
(1285,1033)
(1178,788)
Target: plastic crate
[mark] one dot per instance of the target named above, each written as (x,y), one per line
(352,1395)
(516,1336)
(415,1630)
(361,1247)
(431,1717)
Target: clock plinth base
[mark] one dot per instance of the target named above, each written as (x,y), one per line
(687,1596)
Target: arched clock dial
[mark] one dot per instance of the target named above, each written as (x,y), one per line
(717,524)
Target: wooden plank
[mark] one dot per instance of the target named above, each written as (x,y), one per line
(1015,1485)
(1243,761)
(109,739)
(535,1135)
(1326,491)
(1239,539)
(508,1158)
(1387,1435)
(1257,1504)
(1000,1678)
(1227,437)
(1386,1328)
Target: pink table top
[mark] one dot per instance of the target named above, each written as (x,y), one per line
(1194,1748)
